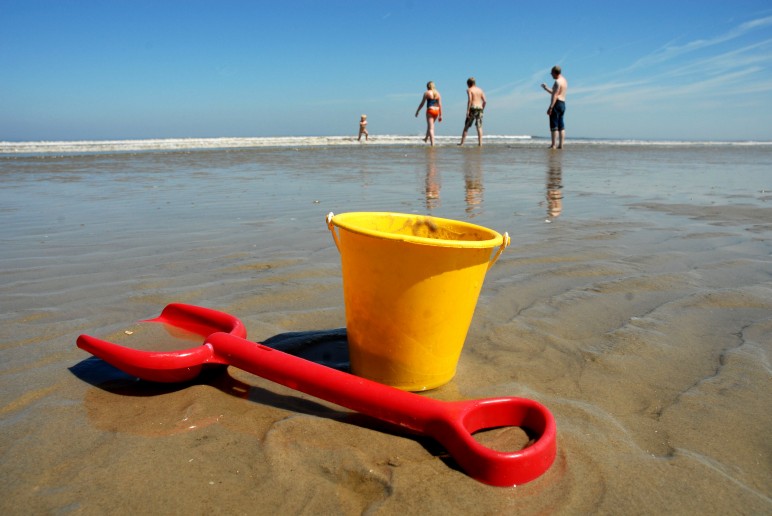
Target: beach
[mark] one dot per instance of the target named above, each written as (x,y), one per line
(635,303)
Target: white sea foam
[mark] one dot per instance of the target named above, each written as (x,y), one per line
(172,144)
(190,144)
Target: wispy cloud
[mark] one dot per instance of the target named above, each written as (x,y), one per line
(698,71)
(670,52)
(519,94)
(728,74)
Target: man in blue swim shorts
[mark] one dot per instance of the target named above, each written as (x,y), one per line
(557,107)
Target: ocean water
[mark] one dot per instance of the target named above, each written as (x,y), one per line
(635,302)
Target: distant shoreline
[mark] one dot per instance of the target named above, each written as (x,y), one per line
(191,144)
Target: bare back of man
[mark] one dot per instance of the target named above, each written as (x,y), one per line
(476,96)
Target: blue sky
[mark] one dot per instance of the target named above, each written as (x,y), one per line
(652,69)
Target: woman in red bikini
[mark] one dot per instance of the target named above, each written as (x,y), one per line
(433,103)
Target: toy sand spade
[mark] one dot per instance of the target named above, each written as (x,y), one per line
(410,286)
(452,424)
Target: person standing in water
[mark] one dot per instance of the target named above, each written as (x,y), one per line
(363,128)
(557,107)
(475,104)
(433,102)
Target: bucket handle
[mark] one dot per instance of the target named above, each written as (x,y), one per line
(504,244)
(331,227)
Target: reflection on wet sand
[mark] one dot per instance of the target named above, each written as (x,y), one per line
(432,186)
(554,186)
(473,184)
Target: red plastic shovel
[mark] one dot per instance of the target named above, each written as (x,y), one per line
(450,423)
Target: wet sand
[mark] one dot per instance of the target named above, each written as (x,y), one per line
(635,303)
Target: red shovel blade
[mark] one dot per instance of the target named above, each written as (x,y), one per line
(173,366)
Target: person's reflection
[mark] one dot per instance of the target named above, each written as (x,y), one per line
(554,186)
(432,187)
(473,183)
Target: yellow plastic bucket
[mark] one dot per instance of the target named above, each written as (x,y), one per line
(410,286)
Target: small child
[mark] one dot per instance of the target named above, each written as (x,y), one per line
(363,128)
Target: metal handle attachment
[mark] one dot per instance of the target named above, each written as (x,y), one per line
(504,244)
(331,227)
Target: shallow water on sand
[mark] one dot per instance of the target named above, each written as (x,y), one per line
(635,302)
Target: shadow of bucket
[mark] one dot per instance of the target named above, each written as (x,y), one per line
(410,286)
